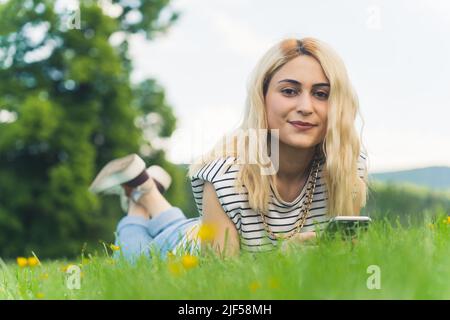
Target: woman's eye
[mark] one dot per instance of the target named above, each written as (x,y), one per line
(322,95)
(289,92)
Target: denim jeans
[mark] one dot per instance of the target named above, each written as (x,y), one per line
(136,235)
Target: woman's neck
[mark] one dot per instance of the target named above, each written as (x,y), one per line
(294,163)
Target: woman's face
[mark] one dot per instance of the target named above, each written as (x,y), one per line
(298,92)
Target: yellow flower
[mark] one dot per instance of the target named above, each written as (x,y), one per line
(448,220)
(431,226)
(40,295)
(22,262)
(114,247)
(44,276)
(66,267)
(206,232)
(189,261)
(175,268)
(33,261)
(274,283)
(255,285)
(170,255)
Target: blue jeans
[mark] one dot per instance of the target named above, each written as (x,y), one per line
(136,236)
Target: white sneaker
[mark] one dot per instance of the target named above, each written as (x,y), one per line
(130,170)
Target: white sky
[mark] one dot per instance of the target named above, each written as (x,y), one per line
(396,53)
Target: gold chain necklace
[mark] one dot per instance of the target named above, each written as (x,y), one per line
(305,207)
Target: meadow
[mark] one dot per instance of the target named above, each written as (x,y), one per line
(389,261)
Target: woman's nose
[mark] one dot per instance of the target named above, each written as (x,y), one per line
(304,103)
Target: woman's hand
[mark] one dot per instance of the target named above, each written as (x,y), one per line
(304,237)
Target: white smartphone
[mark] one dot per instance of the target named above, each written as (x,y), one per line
(347,225)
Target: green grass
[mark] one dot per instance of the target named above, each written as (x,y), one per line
(414,264)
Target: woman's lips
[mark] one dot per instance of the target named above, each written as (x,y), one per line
(301,127)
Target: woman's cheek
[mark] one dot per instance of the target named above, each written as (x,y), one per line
(275,117)
(323,131)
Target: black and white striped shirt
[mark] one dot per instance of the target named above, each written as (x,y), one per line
(282,216)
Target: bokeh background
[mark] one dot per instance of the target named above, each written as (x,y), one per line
(83,82)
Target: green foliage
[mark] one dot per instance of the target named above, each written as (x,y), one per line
(412,263)
(76,110)
(410,204)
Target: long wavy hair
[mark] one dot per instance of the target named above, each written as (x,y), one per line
(340,148)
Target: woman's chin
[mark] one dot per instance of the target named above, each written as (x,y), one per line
(303,144)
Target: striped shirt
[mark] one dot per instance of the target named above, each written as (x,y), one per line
(283,215)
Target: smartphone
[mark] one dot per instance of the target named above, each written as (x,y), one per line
(347,226)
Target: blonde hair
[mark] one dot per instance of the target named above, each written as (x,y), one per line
(341,146)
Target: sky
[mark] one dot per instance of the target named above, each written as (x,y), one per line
(396,54)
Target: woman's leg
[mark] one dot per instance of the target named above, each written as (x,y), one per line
(132,237)
(151,204)
(137,236)
(152,222)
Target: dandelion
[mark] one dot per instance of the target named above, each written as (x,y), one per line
(255,285)
(66,267)
(33,261)
(39,295)
(447,221)
(206,232)
(274,283)
(44,276)
(170,255)
(189,261)
(175,268)
(114,247)
(22,261)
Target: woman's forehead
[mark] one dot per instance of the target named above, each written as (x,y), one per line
(303,69)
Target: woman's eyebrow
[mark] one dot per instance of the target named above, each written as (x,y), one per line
(300,84)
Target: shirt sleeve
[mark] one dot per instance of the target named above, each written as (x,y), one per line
(212,172)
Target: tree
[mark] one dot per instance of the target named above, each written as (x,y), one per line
(69,87)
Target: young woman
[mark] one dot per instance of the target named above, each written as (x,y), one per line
(299,92)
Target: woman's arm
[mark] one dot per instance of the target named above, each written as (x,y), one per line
(215,217)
